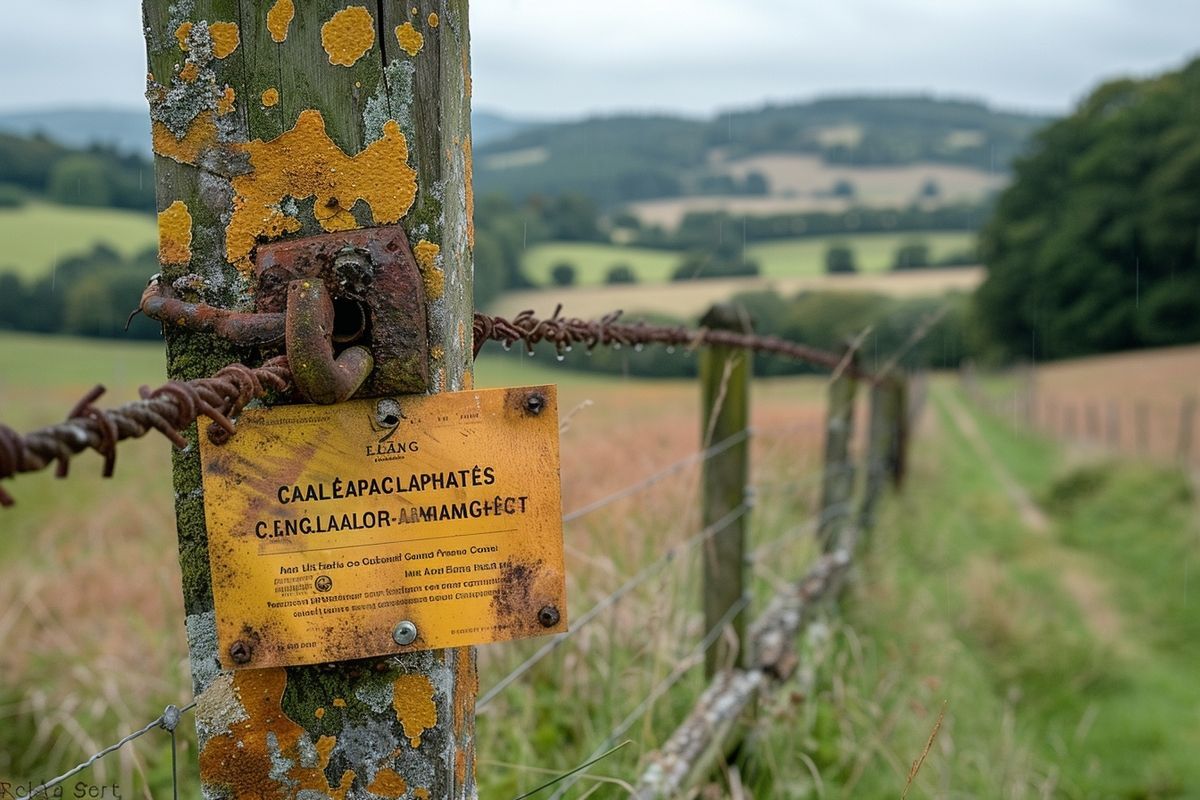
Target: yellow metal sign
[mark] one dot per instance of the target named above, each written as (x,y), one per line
(382,526)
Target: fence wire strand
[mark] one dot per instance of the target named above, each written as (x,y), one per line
(662,474)
(682,668)
(628,586)
(168,720)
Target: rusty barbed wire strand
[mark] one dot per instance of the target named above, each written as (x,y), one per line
(608,331)
(169,409)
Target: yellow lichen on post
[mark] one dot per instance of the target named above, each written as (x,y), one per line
(240,758)
(225,38)
(225,103)
(304,162)
(409,38)
(189,72)
(388,783)
(348,35)
(279,19)
(201,135)
(412,697)
(433,19)
(181,34)
(270,97)
(426,254)
(175,234)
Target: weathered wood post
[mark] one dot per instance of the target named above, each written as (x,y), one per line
(1187,419)
(837,483)
(1142,423)
(903,419)
(1114,425)
(278,119)
(882,437)
(724,415)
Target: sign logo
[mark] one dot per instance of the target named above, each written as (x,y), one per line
(323,583)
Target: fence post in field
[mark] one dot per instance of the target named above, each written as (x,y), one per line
(276,119)
(724,414)
(1142,423)
(901,425)
(1187,419)
(883,440)
(1114,425)
(837,483)
(1069,422)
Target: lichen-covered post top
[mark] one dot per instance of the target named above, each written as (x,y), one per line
(275,120)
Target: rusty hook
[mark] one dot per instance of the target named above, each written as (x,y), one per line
(308,332)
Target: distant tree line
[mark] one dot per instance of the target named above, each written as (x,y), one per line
(85,295)
(99,176)
(1096,244)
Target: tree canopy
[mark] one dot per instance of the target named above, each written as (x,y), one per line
(1094,247)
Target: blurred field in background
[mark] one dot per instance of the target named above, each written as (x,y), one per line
(1062,656)
(39,234)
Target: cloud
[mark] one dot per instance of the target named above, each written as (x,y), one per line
(567,57)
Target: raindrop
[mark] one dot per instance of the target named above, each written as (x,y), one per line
(508,345)
(567,348)
(670,349)
(561,357)
(639,347)
(616,345)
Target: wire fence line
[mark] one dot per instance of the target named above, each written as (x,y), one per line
(681,669)
(167,721)
(664,473)
(610,600)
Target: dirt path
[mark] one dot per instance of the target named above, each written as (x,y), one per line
(1076,575)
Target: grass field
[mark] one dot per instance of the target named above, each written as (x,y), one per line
(787,258)
(36,236)
(1062,652)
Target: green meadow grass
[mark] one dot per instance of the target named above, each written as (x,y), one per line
(787,258)
(34,237)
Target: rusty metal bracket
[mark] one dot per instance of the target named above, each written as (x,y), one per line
(320,376)
(376,294)
(349,307)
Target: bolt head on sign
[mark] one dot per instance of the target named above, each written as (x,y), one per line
(386,525)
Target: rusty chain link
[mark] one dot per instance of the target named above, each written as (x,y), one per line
(169,409)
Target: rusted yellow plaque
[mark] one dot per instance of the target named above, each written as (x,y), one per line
(383,526)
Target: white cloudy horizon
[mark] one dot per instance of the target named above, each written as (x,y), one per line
(536,59)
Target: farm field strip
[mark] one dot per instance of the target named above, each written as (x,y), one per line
(34,237)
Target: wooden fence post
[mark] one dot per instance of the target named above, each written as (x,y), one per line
(1187,418)
(1142,423)
(882,441)
(725,408)
(271,119)
(838,480)
(903,420)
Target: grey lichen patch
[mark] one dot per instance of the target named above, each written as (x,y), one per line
(417,769)
(176,106)
(202,645)
(366,747)
(376,695)
(218,709)
(393,99)
(281,766)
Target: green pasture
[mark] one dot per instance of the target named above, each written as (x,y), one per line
(786,258)
(37,235)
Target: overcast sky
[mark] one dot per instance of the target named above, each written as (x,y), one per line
(555,58)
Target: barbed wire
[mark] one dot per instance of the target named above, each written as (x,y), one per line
(684,666)
(608,331)
(643,575)
(168,721)
(169,409)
